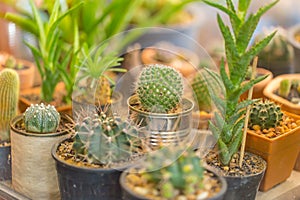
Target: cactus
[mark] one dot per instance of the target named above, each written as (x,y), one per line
(284,88)
(203,84)
(10,62)
(106,140)
(39,118)
(185,173)
(278,49)
(103,91)
(266,114)
(9,94)
(159,88)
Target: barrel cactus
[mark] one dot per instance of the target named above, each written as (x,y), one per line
(203,85)
(106,139)
(182,171)
(9,95)
(159,88)
(266,114)
(39,118)
(285,88)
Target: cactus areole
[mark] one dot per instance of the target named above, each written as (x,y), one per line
(159,88)
(39,118)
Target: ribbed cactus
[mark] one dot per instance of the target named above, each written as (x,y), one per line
(284,88)
(159,88)
(203,85)
(105,139)
(9,95)
(39,118)
(266,114)
(182,171)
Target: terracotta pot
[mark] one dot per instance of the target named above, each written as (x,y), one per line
(280,153)
(271,88)
(33,169)
(26,74)
(25,103)
(181,59)
(259,87)
(297,163)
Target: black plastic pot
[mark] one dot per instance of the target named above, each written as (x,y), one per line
(86,183)
(5,163)
(128,194)
(245,187)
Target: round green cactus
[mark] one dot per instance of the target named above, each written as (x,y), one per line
(159,88)
(266,114)
(39,118)
(106,139)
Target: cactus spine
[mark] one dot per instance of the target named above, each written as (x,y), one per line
(106,139)
(185,173)
(159,88)
(39,118)
(266,114)
(9,95)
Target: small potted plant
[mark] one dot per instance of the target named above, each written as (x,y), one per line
(283,89)
(242,178)
(274,135)
(32,135)
(158,105)
(25,69)
(184,60)
(278,55)
(172,173)
(9,94)
(89,163)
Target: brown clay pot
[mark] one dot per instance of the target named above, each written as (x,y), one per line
(24,102)
(297,163)
(183,60)
(280,153)
(271,88)
(259,87)
(26,74)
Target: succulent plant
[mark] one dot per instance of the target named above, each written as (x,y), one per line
(39,118)
(203,84)
(10,62)
(182,171)
(284,88)
(159,88)
(9,95)
(229,120)
(266,114)
(104,139)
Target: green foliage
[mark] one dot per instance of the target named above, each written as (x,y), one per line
(266,114)
(9,96)
(106,140)
(230,121)
(182,171)
(39,118)
(159,88)
(53,55)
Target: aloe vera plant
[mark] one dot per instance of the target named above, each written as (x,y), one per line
(229,121)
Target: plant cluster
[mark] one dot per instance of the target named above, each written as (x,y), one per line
(290,89)
(159,88)
(106,140)
(39,118)
(180,174)
(9,96)
(229,121)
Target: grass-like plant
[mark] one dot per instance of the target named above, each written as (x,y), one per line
(229,121)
